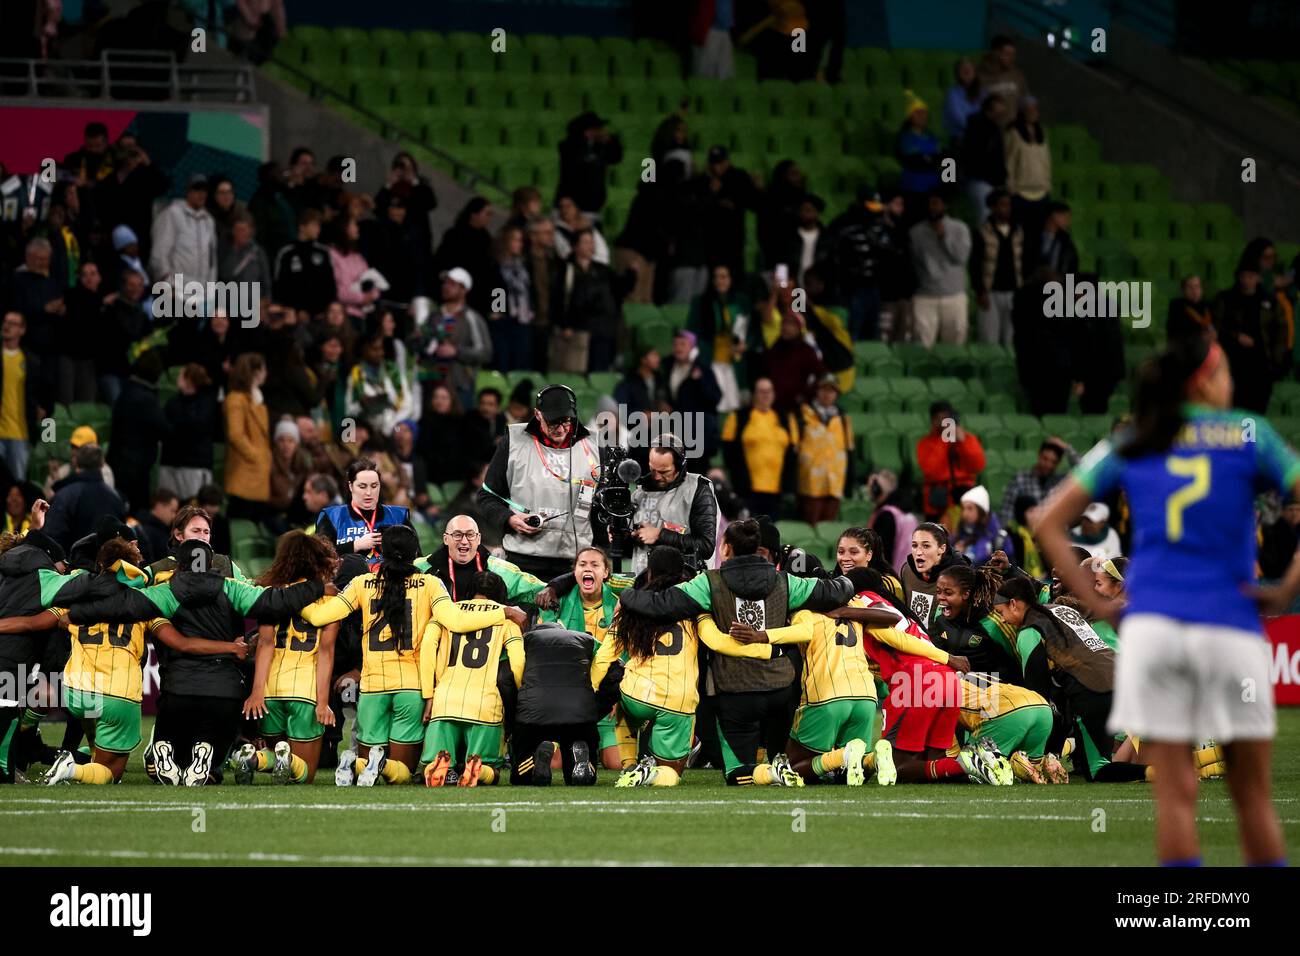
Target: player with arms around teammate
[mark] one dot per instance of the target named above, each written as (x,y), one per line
(458,679)
(291,677)
(397,604)
(1190,641)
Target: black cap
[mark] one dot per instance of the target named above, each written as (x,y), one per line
(718,153)
(556,403)
(107,528)
(198,181)
(53,550)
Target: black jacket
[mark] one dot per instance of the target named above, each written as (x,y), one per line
(982,153)
(195,421)
(80,500)
(972,642)
(698,540)
(201,605)
(154,537)
(458,579)
(121,324)
(582,169)
(139,427)
(585,300)
(304,276)
(556,687)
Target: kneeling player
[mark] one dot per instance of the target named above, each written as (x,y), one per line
(1018,721)
(463,707)
(291,679)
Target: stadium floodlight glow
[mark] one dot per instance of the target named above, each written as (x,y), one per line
(1051,40)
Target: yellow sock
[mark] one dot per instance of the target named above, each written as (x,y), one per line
(1206,756)
(298,767)
(666,777)
(1211,770)
(1150,775)
(827,762)
(487,776)
(626,740)
(763,774)
(265,760)
(95,773)
(395,772)
(869,761)
(360,766)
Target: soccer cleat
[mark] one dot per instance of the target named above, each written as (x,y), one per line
(640,775)
(1025,769)
(473,767)
(374,764)
(854,773)
(584,771)
(453,778)
(244,763)
(694,755)
(542,763)
(435,775)
(886,773)
(975,762)
(1053,771)
(345,774)
(1212,771)
(62,769)
(282,772)
(196,774)
(1000,767)
(164,762)
(783,774)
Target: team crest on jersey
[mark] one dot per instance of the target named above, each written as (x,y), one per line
(751,614)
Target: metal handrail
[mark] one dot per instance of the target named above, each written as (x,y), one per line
(131,70)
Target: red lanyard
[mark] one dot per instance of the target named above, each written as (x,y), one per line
(451,571)
(586,450)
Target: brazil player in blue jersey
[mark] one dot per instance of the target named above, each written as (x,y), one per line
(1193,663)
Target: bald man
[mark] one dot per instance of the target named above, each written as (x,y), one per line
(462,555)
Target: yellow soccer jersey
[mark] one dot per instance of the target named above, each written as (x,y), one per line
(292,675)
(459,670)
(106,658)
(984,699)
(593,616)
(835,666)
(670,678)
(386,666)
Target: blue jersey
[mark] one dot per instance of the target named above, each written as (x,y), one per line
(348,525)
(1193,514)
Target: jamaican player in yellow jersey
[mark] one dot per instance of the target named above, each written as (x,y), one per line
(102,681)
(397,604)
(1016,720)
(291,678)
(660,686)
(463,707)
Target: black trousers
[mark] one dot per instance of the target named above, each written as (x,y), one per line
(747,722)
(526,738)
(186,719)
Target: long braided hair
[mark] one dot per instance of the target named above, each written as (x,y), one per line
(400,548)
(635,634)
(980,586)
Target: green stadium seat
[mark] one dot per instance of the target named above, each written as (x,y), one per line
(855,512)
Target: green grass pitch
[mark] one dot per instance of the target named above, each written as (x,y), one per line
(700,822)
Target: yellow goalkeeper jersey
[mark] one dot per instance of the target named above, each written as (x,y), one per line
(387,663)
(458,669)
(106,658)
(669,679)
(983,698)
(835,666)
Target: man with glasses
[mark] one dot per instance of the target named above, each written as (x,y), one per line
(462,556)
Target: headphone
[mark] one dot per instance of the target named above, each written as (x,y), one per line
(573,396)
(673,445)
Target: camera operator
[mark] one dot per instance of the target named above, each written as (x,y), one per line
(540,485)
(672,507)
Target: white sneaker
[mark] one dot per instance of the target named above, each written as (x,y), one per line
(164,763)
(854,751)
(245,764)
(196,774)
(345,774)
(282,772)
(1000,769)
(886,773)
(374,763)
(61,770)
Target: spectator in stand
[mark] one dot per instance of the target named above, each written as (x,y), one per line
(858,243)
(1035,483)
(754,447)
(827,331)
(20,411)
(710,29)
(723,193)
(124,322)
(184,238)
(225,208)
(127,247)
(456,343)
(525,206)
(93,162)
(442,426)
(484,428)
(23,494)
(153,528)
(999,75)
(289,466)
(1097,358)
(244,261)
(1276,287)
(248,441)
(919,152)
(792,365)
(585,313)
(300,181)
(543,268)
(811,237)
(1056,255)
(643,243)
(962,101)
(66,237)
(387,247)
(1253,337)
(778,214)
(348,265)
(671,150)
(276,217)
(979,532)
(1189,315)
(335,322)
(639,389)
(139,428)
(59,466)
(570,222)
(1094,534)
(585,153)
(404,182)
(377,388)
(691,389)
(722,321)
(78,332)
(1022,549)
(895,275)
(1029,170)
(81,499)
(126,198)
(254,27)
(193,419)
(891,523)
(314,449)
(304,270)
(941,247)
(468,245)
(823,440)
(996,273)
(414,470)
(36,294)
(510,329)
(318,493)
(950,459)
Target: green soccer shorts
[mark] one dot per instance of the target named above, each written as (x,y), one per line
(117,720)
(462,738)
(396,716)
(824,727)
(670,732)
(1025,728)
(292,718)
(608,736)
